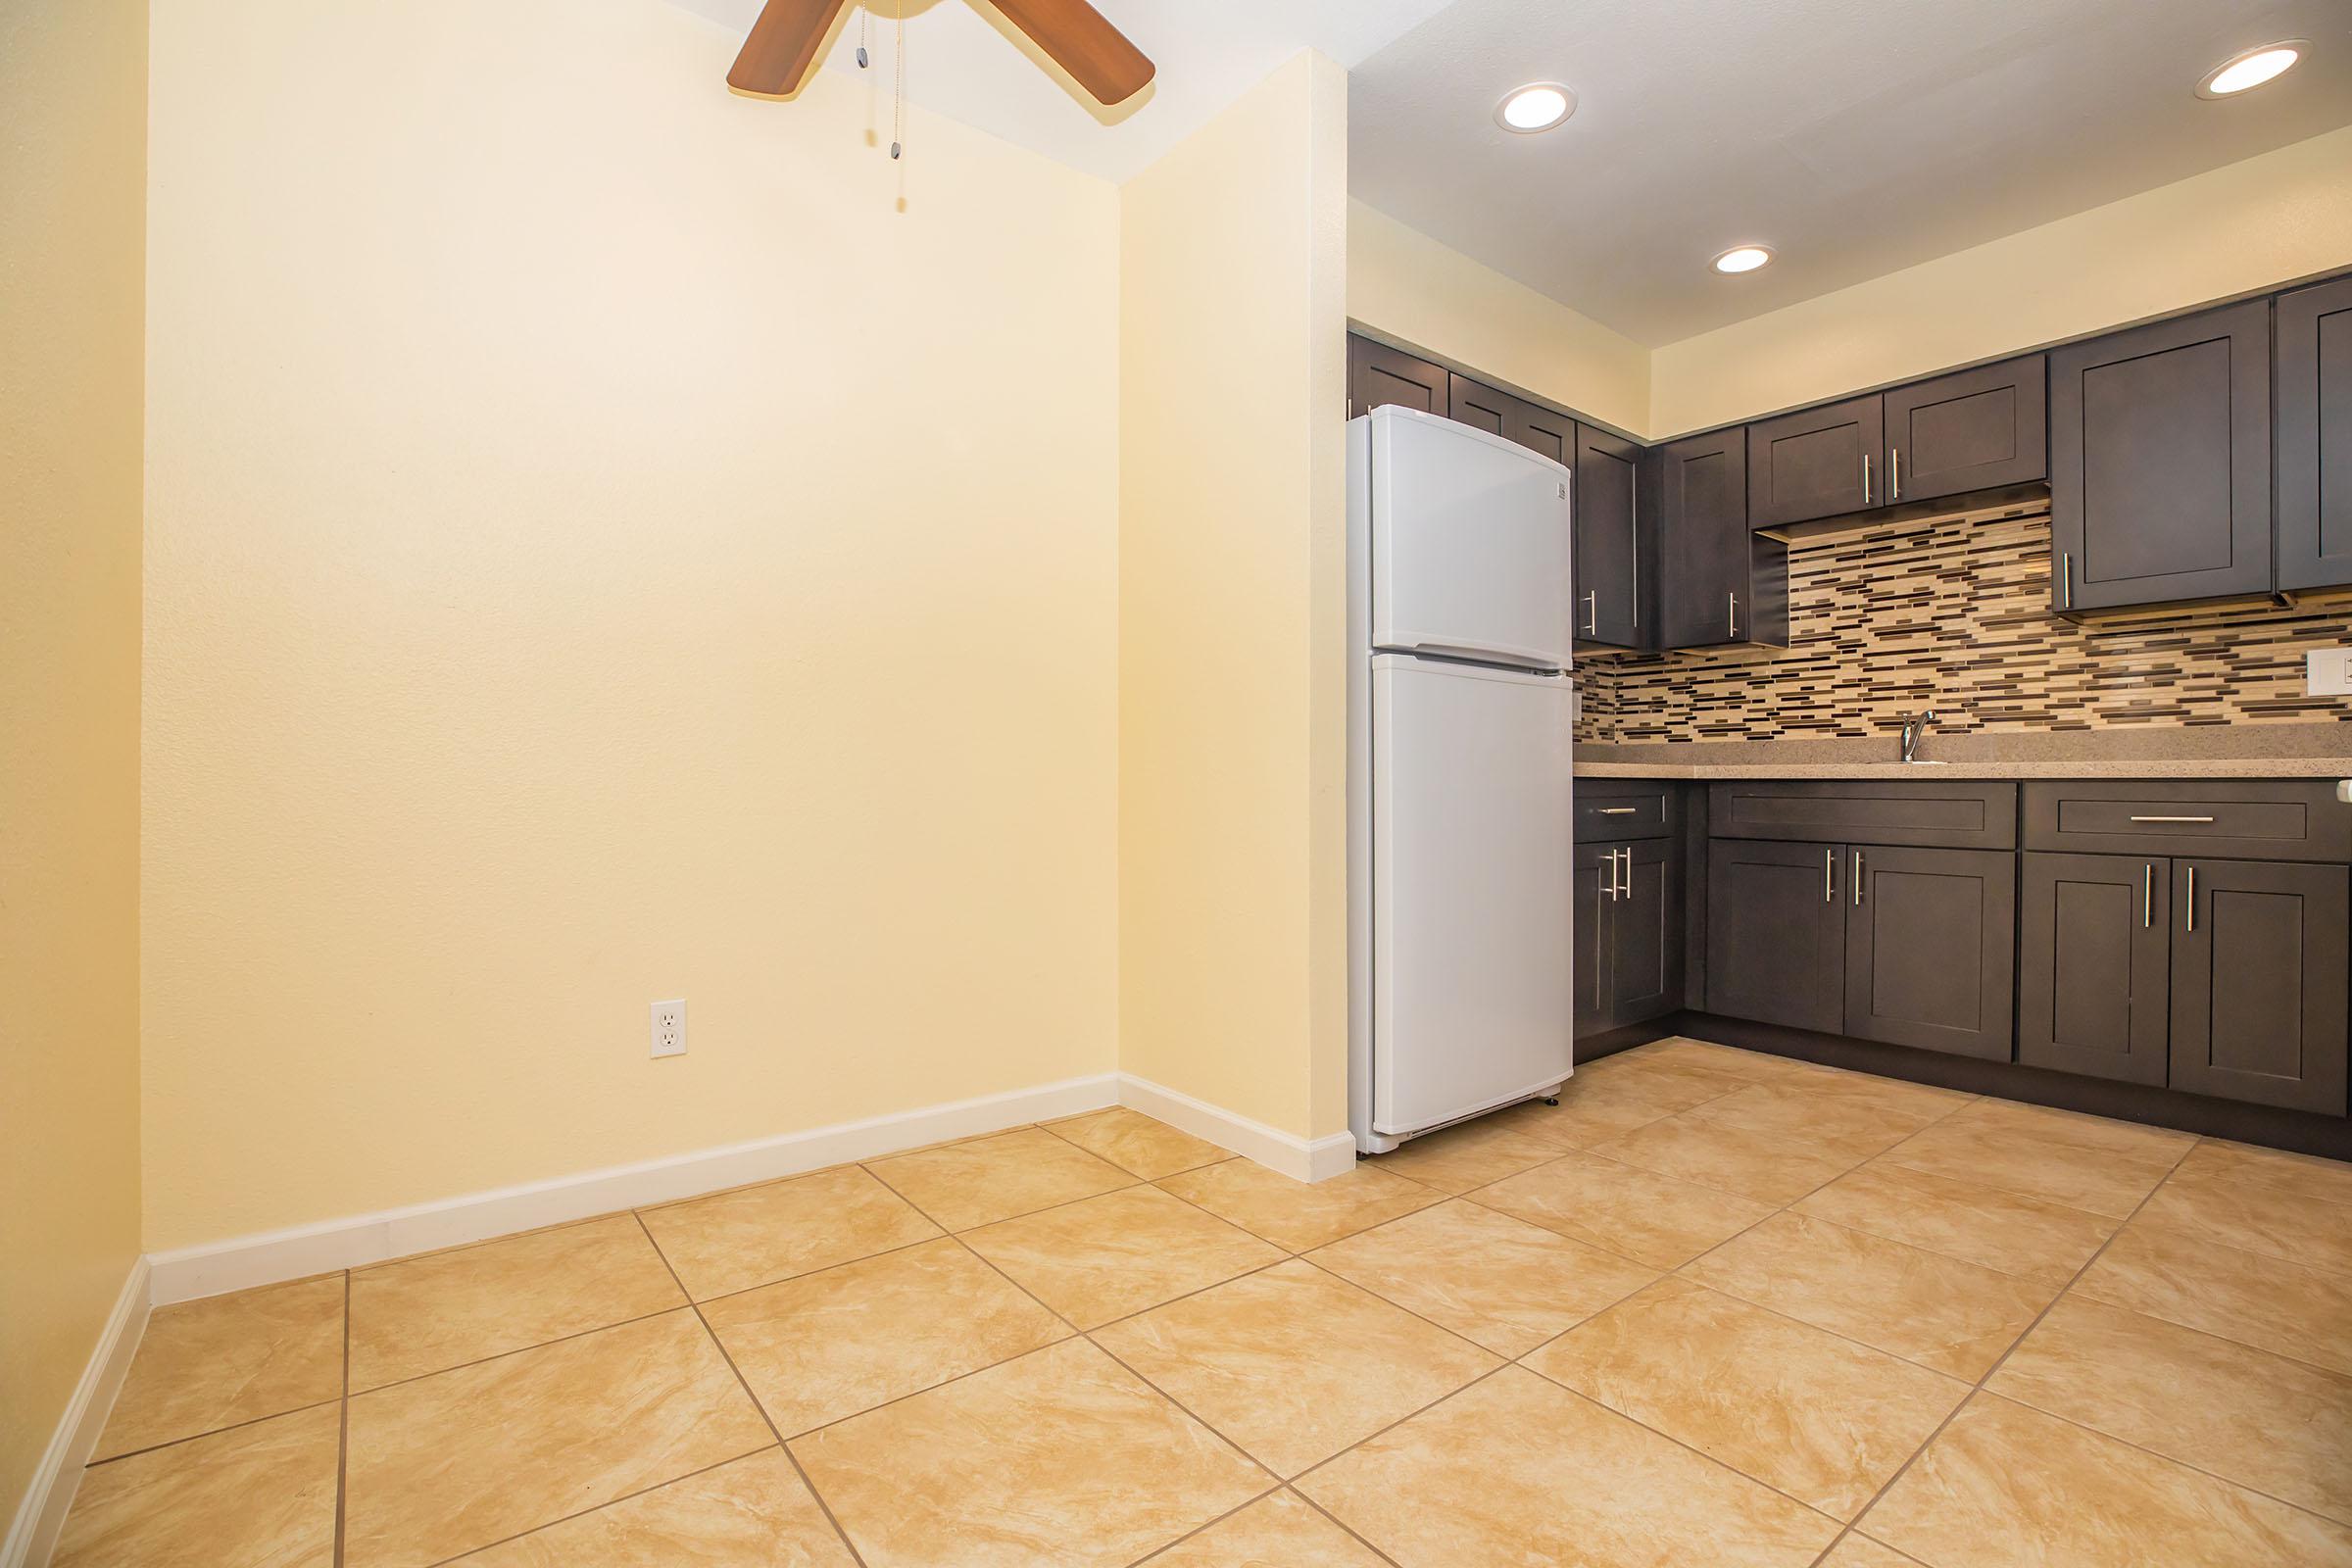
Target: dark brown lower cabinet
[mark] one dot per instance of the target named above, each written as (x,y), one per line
(1776,933)
(1928,961)
(2260,954)
(2093,964)
(1645,934)
(1596,867)
(1629,937)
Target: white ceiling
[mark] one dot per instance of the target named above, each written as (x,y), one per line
(1210,52)
(1855,136)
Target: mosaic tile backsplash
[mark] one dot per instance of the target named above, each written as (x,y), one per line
(1953,613)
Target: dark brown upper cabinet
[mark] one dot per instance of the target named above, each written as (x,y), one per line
(1514,419)
(1608,544)
(1540,431)
(2159,462)
(2259,960)
(2094,943)
(1817,463)
(1475,404)
(1720,582)
(1377,375)
(2315,436)
(1979,429)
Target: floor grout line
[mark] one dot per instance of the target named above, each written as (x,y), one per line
(211,1432)
(2000,1361)
(1205,1526)
(744,1384)
(1342,1524)
(594,1508)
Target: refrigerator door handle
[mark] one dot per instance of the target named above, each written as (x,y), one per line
(1476,656)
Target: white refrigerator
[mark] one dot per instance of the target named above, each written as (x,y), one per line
(1460,624)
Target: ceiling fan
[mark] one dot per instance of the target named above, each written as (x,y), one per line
(783,47)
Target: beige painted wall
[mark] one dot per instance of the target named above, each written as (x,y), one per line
(2235,230)
(1406,285)
(73,151)
(1232,685)
(600,550)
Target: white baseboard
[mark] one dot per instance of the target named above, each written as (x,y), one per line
(1295,1156)
(41,1515)
(267,1260)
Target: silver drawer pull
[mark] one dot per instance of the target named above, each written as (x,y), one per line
(1617,811)
(2172,819)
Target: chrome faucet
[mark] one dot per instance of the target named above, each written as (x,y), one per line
(1915,730)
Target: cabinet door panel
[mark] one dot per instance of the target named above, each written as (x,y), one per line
(1607,516)
(2315,436)
(1645,934)
(1710,588)
(2093,977)
(1817,463)
(2259,973)
(1973,430)
(1377,375)
(1474,403)
(2160,462)
(1540,431)
(1593,877)
(1928,954)
(1776,933)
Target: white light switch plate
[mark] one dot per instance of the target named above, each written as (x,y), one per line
(2328,672)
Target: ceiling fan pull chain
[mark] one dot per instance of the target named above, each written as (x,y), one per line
(897,128)
(865,34)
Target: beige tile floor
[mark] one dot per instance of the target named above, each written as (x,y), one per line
(1715,1309)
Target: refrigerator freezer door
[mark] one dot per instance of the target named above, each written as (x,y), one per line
(1470,547)
(1473,1004)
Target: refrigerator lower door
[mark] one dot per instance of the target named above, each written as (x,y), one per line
(1473,1002)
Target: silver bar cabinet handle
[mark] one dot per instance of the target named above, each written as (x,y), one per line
(1732,603)
(1592,614)
(1895,472)
(2192,899)
(1857,888)
(2065,580)
(2172,819)
(1866,478)
(1616,810)
(1829,876)
(2147,897)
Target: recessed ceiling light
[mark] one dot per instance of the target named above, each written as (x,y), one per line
(2252,69)
(1538,106)
(1742,258)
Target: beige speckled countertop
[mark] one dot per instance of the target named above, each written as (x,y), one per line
(2220,751)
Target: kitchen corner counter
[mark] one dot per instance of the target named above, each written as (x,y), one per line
(2235,751)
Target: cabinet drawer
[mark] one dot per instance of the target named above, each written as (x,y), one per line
(1961,815)
(1606,813)
(2283,819)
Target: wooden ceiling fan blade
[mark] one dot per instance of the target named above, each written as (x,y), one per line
(783,47)
(1096,54)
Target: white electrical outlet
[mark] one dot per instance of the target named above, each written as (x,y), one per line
(670,1028)
(2328,672)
